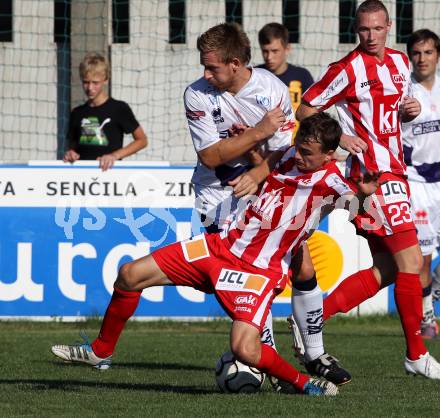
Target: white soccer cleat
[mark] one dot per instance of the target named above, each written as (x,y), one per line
(298,344)
(82,353)
(426,366)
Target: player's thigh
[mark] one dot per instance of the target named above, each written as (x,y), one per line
(141,274)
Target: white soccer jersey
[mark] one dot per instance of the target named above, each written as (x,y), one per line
(210,113)
(367,95)
(285,213)
(421,137)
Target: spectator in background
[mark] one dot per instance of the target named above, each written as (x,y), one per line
(97,127)
(421,138)
(274,43)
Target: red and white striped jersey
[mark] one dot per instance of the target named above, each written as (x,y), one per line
(367,94)
(287,209)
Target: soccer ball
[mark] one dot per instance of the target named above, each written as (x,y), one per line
(235,377)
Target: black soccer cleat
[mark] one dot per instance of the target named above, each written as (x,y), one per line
(281,386)
(327,366)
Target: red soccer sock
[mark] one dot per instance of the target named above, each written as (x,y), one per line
(120,309)
(408,297)
(354,290)
(273,364)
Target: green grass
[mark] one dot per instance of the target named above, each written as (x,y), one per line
(165,369)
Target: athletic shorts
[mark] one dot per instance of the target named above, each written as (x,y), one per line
(425,202)
(244,291)
(388,216)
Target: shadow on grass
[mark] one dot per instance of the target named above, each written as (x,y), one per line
(145,366)
(72,385)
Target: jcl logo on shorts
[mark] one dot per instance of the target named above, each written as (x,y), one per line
(239,281)
(394,191)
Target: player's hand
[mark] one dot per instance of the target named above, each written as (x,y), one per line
(352,144)
(106,161)
(271,122)
(254,156)
(244,185)
(369,182)
(237,129)
(70,156)
(410,108)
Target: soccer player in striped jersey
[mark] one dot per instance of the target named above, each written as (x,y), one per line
(232,94)
(421,139)
(370,89)
(246,265)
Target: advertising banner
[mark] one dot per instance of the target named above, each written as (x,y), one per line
(65,230)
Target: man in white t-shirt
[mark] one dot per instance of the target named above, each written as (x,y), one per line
(231,94)
(421,139)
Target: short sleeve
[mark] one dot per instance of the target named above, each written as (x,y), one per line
(127,119)
(338,184)
(281,139)
(201,126)
(330,88)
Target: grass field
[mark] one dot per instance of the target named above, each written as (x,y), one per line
(166,369)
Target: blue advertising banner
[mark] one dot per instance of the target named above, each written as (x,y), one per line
(66,230)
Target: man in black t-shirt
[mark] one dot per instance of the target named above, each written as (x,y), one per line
(274,44)
(97,127)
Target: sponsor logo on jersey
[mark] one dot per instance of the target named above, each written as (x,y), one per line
(267,203)
(421,217)
(194,114)
(239,281)
(242,309)
(394,191)
(195,248)
(426,242)
(262,101)
(368,82)
(426,127)
(388,121)
(305,181)
(217,116)
(399,78)
(246,300)
(288,126)
(334,88)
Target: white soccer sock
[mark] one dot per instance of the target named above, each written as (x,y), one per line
(307,309)
(428,309)
(267,336)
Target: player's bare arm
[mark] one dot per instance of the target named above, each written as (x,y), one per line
(305,110)
(247,183)
(367,184)
(231,148)
(410,109)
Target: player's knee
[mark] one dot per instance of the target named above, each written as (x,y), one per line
(126,278)
(411,263)
(246,352)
